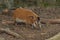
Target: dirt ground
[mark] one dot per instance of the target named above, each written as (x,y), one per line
(46,31)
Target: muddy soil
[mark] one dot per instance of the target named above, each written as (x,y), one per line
(46,31)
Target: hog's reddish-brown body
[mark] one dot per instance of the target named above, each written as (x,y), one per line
(27,16)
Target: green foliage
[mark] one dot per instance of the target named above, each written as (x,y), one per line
(26,3)
(46,4)
(35,3)
(57,2)
(2,6)
(23,0)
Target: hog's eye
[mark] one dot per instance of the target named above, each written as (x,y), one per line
(31,17)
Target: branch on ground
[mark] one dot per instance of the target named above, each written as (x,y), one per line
(8,31)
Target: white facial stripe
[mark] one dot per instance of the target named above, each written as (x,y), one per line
(37,23)
(34,24)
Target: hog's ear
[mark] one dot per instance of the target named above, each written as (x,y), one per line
(32,17)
